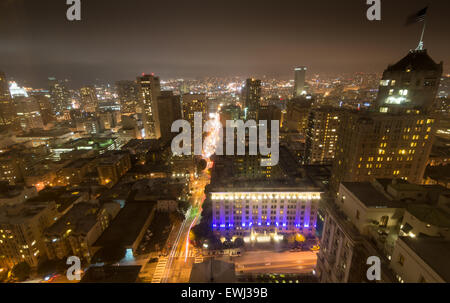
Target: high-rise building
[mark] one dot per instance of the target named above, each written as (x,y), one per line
(376,145)
(128,92)
(169,107)
(297,114)
(192,103)
(28,113)
(89,101)
(322,135)
(410,84)
(7,111)
(395,141)
(251,96)
(149,91)
(299,84)
(60,96)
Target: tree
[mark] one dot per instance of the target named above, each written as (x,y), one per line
(21,271)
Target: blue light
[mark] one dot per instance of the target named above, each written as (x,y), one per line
(259,223)
(250,224)
(268,223)
(277,223)
(306,225)
(222,225)
(284,224)
(243,224)
(214,225)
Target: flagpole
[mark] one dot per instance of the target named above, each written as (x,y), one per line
(420,46)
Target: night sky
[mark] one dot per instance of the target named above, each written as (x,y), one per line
(185,39)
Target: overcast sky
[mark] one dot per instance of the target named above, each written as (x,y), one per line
(119,39)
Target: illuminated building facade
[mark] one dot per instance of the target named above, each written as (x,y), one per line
(322,135)
(375,145)
(149,91)
(128,92)
(21,232)
(7,112)
(89,101)
(251,96)
(260,213)
(60,96)
(299,84)
(412,83)
(194,103)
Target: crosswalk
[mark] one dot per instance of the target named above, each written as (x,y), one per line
(160,269)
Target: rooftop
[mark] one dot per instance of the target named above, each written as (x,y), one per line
(369,195)
(125,228)
(434,251)
(430,214)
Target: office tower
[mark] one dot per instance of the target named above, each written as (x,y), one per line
(28,113)
(251,96)
(322,135)
(297,114)
(7,111)
(45,106)
(192,103)
(395,141)
(299,84)
(149,90)
(60,96)
(169,107)
(376,145)
(269,113)
(410,84)
(128,92)
(89,101)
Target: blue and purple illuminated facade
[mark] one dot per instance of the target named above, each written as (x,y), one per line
(264,212)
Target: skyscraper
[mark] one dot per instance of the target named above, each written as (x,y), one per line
(128,92)
(410,84)
(395,141)
(149,91)
(193,103)
(251,96)
(299,85)
(7,111)
(60,95)
(322,135)
(89,101)
(169,107)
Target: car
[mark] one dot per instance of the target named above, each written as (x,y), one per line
(153,260)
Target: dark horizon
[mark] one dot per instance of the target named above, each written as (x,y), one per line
(120,40)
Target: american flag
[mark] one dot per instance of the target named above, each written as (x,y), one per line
(417,17)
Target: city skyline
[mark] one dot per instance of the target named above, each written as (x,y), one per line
(245,37)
